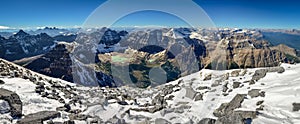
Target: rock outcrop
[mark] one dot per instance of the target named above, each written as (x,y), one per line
(244,50)
(56,63)
(14,102)
(39,117)
(228,108)
(296,106)
(227,114)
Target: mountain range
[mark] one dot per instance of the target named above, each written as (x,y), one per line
(165,75)
(167,48)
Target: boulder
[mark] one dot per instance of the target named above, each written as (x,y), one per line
(254,93)
(161,121)
(39,117)
(2,82)
(225,87)
(296,106)
(207,77)
(236,84)
(259,74)
(203,88)
(207,121)
(4,107)
(276,69)
(69,122)
(228,108)
(190,93)
(198,97)
(259,102)
(116,120)
(78,116)
(166,111)
(235,73)
(251,82)
(14,102)
(237,117)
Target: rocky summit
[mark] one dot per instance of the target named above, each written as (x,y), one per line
(239,96)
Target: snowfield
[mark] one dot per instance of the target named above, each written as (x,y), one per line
(281,89)
(189,99)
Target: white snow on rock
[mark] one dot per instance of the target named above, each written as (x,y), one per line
(4,107)
(32,102)
(281,91)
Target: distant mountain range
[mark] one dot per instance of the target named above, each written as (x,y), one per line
(167,48)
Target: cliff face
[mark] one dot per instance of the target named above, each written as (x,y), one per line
(285,49)
(252,58)
(241,50)
(55,63)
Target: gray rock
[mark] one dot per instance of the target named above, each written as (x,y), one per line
(39,117)
(168,89)
(158,100)
(251,82)
(259,74)
(155,108)
(116,120)
(236,84)
(161,121)
(276,69)
(122,103)
(262,93)
(198,97)
(254,93)
(2,82)
(96,121)
(166,111)
(237,117)
(180,81)
(4,107)
(207,121)
(190,93)
(151,109)
(51,122)
(216,83)
(208,77)
(235,73)
(259,102)
(228,108)
(296,106)
(69,122)
(244,72)
(203,88)
(225,94)
(225,87)
(260,108)
(170,97)
(14,102)
(77,116)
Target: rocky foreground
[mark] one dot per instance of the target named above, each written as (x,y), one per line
(263,95)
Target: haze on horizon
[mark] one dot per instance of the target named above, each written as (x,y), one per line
(31,14)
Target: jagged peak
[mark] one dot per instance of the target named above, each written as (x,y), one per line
(20,34)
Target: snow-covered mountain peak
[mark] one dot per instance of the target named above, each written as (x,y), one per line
(21,34)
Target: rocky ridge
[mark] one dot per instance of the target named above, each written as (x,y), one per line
(207,96)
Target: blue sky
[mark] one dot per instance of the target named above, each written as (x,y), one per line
(224,13)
